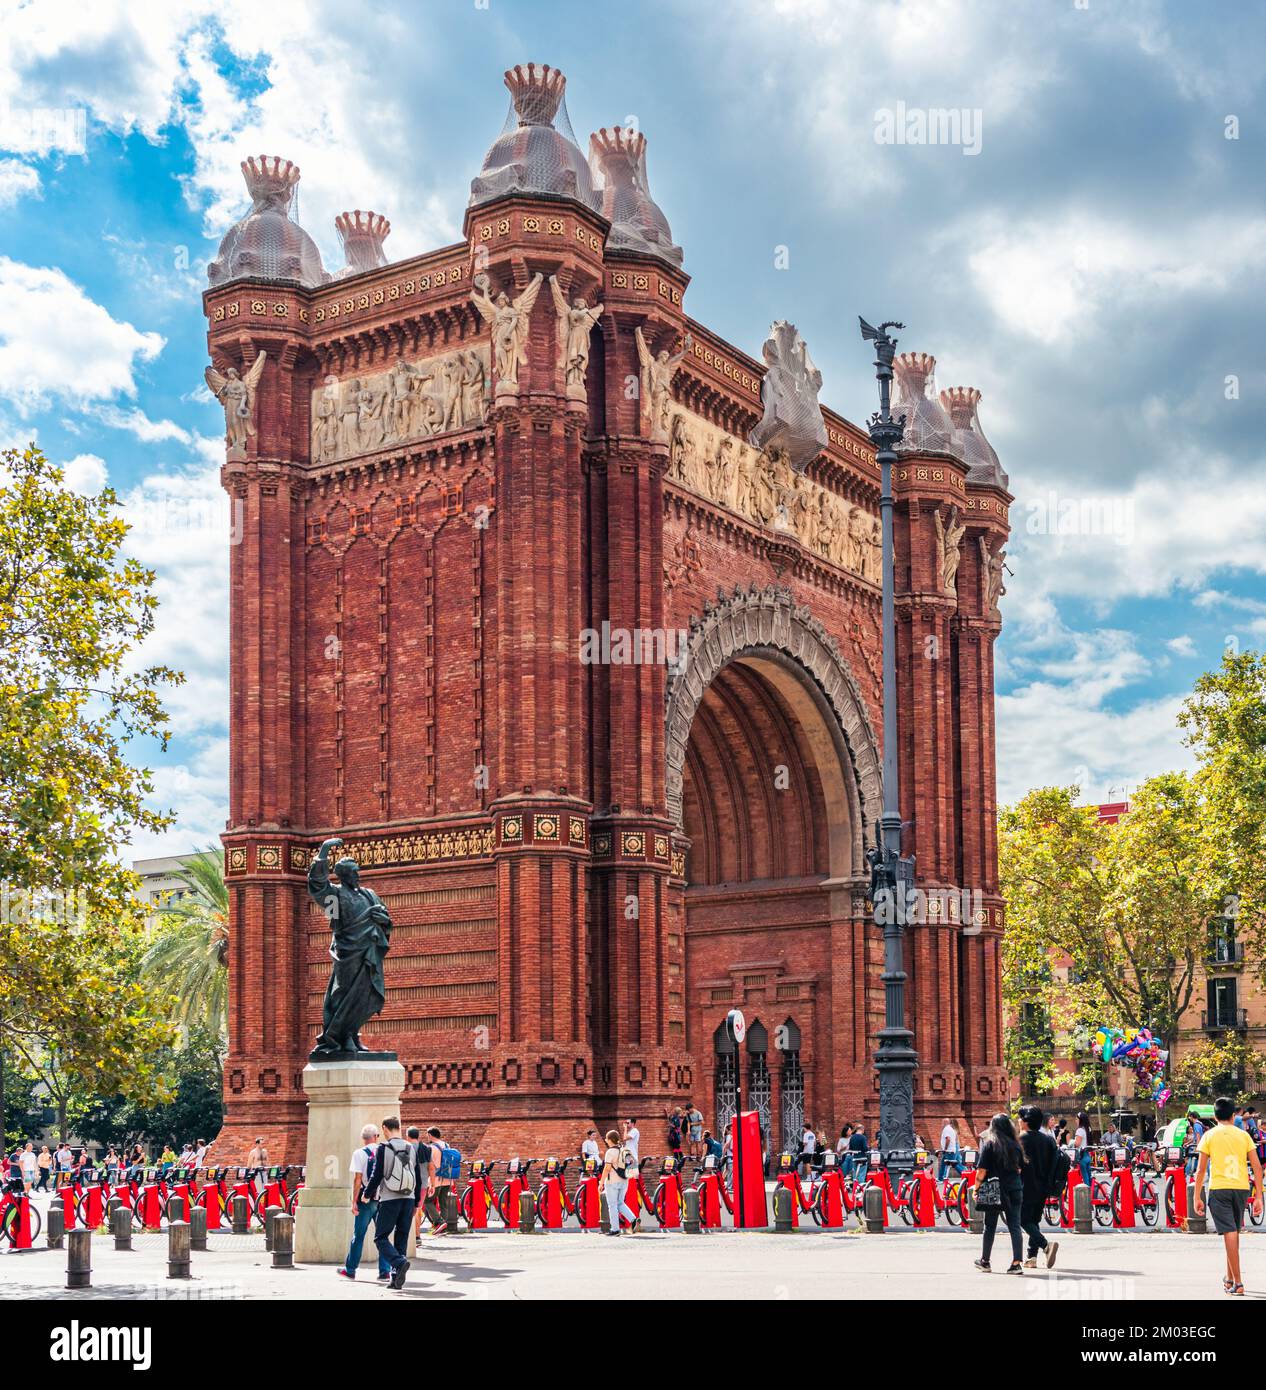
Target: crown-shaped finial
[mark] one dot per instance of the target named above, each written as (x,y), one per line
(961,402)
(617,143)
(536,92)
(269,179)
(917,366)
(362,235)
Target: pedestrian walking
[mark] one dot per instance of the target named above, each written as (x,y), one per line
(951,1156)
(1081,1142)
(363,1210)
(1226,1151)
(1042,1177)
(1000,1189)
(446,1169)
(45,1165)
(619,1163)
(394,1182)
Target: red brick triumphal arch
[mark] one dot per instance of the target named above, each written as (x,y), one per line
(564,613)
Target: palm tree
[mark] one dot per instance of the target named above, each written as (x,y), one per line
(190,953)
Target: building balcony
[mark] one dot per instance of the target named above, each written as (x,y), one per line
(1225,1020)
(1225,953)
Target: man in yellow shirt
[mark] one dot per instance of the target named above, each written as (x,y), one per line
(1225,1154)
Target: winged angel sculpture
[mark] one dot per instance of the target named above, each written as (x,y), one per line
(237,395)
(508,320)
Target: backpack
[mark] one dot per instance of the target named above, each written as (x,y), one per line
(628,1164)
(399,1170)
(450,1169)
(1059,1172)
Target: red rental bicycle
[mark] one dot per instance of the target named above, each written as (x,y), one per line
(11,1213)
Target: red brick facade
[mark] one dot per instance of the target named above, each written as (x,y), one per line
(586,865)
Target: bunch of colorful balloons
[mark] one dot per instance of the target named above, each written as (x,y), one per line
(1137,1048)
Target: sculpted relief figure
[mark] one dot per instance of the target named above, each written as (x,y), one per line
(575,323)
(398,410)
(991,567)
(948,543)
(237,395)
(474,385)
(655,384)
(325,422)
(509,321)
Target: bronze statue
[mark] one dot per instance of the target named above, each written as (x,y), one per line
(361,930)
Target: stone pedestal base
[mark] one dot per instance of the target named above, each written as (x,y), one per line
(343,1097)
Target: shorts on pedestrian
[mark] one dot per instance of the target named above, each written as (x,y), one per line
(1226,1209)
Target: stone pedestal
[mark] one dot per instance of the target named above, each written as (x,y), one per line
(343,1097)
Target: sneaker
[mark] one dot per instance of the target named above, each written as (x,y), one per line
(343,1274)
(440,1229)
(1051,1251)
(1015,1269)
(982,1265)
(397,1275)
(1031,1263)
(382,1278)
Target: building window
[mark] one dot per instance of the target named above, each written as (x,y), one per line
(792,1087)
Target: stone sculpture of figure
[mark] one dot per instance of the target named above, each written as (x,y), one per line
(509,320)
(678,437)
(948,539)
(325,422)
(876,551)
(575,323)
(361,932)
(745,480)
(764,489)
(727,465)
(655,383)
(991,567)
(398,406)
(858,540)
(369,403)
(349,420)
(474,388)
(237,395)
(451,388)
(825,538)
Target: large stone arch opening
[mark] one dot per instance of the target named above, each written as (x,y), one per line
(773,780)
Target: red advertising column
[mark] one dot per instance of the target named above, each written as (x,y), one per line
(748,1180)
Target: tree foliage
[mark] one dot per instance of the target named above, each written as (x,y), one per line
(1122,910)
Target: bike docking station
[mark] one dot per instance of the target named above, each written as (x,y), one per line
(712,1192)
(587,1202)
(788,1180)
(827,1199)
(1175,1179)
(552,1206)
(478,1199)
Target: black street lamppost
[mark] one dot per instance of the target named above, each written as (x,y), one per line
(891,874)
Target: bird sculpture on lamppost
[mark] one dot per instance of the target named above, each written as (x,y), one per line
(892,875)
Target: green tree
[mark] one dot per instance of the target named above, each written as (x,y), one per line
(73,610)
(1229,1064)
(1225,723)
(188,958)
(1126,907)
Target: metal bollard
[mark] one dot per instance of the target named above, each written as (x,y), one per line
(604,1213)
(241,1215)
(270,1218)
(451,1212)
(1196,1225)
(873,1207)
(975,1217)
(178,1262)
(121,1223)
(111,1207)
(690,1212)
(782,1209)
(56,1219)
(283,1241)
(198,1228)
(176,1209)
(79,1260)
(527,1213)
(1082,1224)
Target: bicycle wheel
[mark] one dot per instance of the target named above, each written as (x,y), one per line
(1146,1202)
(951,1199)
(1252,1214)
(1053,1211)
(1103,1200)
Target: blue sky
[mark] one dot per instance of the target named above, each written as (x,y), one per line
(1097,269)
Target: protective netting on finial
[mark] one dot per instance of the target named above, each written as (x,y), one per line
(792,422)
(268,244)
(362,235)
(536,151)
(928,425)
(617,161)
(969,443)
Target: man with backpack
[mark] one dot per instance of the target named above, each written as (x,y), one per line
(394,1182)
(1043,1173)
(447,1169)
(363,1211)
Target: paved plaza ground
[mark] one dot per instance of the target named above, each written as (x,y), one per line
(900,1264)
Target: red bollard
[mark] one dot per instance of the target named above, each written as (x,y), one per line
(711,1194)
(508,1197)
(1176,1197)
(22,1228)
(587,1203)
(210,1199)
(668,1204)
(1123,1207)
(826,1198)
(94,1205)
(1066,1206)
(551,1196)
(150,1204)
(477,1200)
(70,1200)
(924,1204)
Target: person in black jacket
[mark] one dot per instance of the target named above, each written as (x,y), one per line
(395,1180)
(1040,1152)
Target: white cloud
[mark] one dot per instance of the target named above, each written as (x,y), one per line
(17,180)
(136,422)
(86,474)
(56,342)
(1181,646)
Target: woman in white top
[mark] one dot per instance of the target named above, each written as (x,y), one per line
(615,1183)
